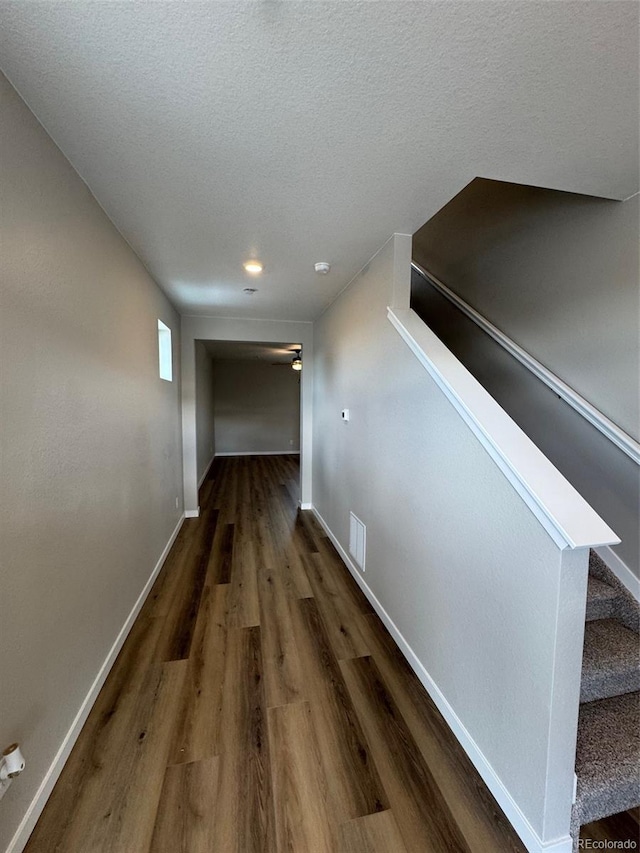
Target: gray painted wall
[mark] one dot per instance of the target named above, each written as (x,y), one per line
(257,407)
(452,550)
(205,419)
(236,330)
(603,474)
(90,450)
(558,273)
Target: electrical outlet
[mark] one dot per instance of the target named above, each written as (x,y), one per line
(177,503)
(11,766)
(291,442)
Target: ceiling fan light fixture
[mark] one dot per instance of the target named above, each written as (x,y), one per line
(297,363)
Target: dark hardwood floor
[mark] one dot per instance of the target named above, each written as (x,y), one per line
(260,706)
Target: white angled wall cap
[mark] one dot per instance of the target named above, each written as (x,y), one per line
(322,268)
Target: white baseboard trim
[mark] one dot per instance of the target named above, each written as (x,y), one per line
(206,471)
(21,836)
(192,513)
(305,506)
(261,453)
(620,569)
(528,835)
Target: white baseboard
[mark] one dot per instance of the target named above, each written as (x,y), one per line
(528,835)
(306,506)
(21,836)
(206,471)
(620,569)
(192,513)
(260,453)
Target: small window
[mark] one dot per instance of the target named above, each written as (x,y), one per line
(164,351)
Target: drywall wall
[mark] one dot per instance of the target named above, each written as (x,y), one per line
(257,407)
(603,474)
(558,273)
(199,328)
(90,443)
(463,569)
(205,422)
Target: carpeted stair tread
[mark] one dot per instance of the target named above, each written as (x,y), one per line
(608,757)
(601,599)
(626,609)
(611,660)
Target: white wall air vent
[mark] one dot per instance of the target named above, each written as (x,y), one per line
(357,540)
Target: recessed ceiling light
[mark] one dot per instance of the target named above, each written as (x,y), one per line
(253,267)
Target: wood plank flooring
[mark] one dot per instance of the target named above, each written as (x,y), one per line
(260,706)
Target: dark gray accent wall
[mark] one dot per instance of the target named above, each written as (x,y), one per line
(603,474)
(558,273)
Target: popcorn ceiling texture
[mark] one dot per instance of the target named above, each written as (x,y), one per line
(312,131)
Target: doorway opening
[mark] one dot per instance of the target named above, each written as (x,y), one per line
(247,399)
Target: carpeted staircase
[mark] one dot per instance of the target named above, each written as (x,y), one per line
(608,748)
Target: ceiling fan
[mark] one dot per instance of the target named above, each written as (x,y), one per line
(296,361)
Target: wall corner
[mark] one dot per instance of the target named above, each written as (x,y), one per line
(401,290)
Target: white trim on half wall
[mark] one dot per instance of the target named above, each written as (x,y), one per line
(563,512)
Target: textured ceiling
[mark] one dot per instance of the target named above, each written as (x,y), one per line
(301,132)
(279,353)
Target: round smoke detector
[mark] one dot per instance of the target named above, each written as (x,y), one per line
(322,268)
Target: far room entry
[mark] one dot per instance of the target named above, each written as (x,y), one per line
(247,399)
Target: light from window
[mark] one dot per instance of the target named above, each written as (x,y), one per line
(164,351)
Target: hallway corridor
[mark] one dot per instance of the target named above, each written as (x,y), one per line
(260,705)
